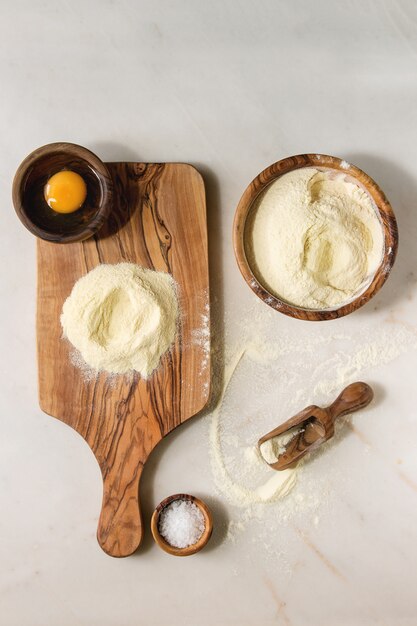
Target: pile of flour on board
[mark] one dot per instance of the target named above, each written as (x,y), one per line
(121,318)
(267,381)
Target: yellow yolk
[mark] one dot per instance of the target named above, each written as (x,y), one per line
(65,191)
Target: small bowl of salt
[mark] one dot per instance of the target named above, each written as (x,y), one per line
(181,524)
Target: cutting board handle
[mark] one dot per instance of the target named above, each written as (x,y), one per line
(120,530)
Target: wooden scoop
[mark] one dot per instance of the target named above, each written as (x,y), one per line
(314,425)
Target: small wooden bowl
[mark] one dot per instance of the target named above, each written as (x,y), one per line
(28,193)
(190,549)
(323,163)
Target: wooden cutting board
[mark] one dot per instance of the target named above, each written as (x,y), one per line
(159,222)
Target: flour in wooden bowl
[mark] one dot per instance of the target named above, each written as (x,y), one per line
(314,239)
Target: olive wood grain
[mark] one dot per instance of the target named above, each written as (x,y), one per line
(320,162)
(158,221)
(317,424)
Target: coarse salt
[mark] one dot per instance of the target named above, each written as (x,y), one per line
(181,523)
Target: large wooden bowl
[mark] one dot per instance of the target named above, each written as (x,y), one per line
(28,190)
(323,163)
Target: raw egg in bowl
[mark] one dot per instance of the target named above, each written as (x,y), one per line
(62,192)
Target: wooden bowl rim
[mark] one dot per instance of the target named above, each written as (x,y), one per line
(386,215)
(76,151)
(190,549)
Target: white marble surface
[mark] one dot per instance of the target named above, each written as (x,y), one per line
(230,87)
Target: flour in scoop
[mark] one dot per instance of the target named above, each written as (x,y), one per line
(272,449)
(315,239)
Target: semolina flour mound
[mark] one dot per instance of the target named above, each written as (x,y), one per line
(316,240)
(121,317)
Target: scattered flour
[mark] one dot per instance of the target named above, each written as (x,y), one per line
(201,337)
(267,379)
(277,484)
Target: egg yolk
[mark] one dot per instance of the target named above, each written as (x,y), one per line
(65,191)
